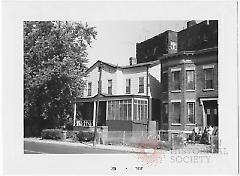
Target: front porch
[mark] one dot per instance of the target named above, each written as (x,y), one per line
(119,113)
(209,112)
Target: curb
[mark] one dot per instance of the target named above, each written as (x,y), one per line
(98,146)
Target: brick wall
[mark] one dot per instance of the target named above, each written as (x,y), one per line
(200,36)
(196,63)
(156,46)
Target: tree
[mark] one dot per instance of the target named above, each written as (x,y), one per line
(55,57)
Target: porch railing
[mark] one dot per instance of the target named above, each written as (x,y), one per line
(84,123)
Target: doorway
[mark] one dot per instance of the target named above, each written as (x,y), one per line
(211,111)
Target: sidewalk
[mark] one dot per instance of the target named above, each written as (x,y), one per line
(90,145)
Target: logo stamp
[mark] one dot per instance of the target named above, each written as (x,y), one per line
(149,152)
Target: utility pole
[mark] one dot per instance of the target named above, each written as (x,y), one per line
(97,109)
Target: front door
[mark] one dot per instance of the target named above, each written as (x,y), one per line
(211,111)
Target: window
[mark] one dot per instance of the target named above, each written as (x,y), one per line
(100,86)
(190,80)
(140,110)
(165,82)
(141,85)
(176,112)
(128,86)
(208,78)
(173,45)
(120,110)
(89,89)
(176,80)
(165,113)
(191,112)
(110,87)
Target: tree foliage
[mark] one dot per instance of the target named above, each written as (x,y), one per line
(55,57)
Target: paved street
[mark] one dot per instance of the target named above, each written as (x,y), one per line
(48,148)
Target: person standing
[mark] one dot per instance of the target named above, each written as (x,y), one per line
(196,128)
(210,133)
(193,136)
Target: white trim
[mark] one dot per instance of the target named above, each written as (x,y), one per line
(94,112)
(106,110)
(190,101)
(208,89)
(74,114)
(190,124)
(176,101)
(208,66)
(190,90)
(207,99)
(189,68)
(175,91)
(146,99)
(176,124)
(175,69)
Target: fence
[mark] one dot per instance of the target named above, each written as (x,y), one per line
(136,139)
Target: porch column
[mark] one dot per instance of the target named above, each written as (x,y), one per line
(74,113)
(204,115)
(94,113)
(106,110)
(132,109)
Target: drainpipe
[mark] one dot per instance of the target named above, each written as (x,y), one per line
(148,99)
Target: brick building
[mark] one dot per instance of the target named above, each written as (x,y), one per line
(195,37)
(151,49)
(189,93)
(198,36)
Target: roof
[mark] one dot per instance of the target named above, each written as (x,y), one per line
(105,97)
(196,52)
(156,36)
(150,64)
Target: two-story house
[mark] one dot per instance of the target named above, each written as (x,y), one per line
(129,98)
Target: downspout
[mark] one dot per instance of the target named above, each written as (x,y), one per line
(148,98)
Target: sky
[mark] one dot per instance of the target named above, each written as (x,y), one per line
(116,40)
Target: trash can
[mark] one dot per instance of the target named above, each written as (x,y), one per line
(64,135)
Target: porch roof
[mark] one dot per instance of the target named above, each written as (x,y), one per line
(106,97)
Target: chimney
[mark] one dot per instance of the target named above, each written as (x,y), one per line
(132,61)
(191,23)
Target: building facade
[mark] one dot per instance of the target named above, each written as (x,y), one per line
(171,85)
(198,36)
(151,49)
(129,98)
(189,95)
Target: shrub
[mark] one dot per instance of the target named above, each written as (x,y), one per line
(51,134)
(69,126)
(85,136)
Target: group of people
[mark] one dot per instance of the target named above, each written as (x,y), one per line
(204,136)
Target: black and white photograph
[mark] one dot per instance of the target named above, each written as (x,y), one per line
(130,94)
